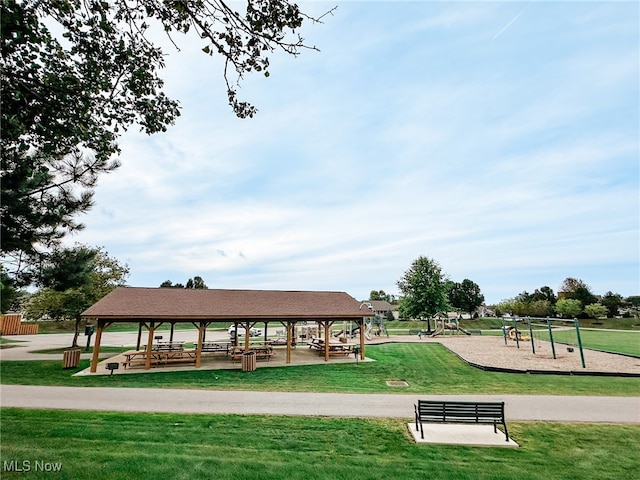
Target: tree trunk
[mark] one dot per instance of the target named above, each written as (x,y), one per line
(74,344)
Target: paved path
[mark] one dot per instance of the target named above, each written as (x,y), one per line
(518,407)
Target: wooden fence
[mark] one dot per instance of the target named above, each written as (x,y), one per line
(11,324)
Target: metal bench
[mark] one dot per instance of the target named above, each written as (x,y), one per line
(491,413)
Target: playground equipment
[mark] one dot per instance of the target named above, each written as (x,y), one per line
(372,326)
(512,332)
(445,326)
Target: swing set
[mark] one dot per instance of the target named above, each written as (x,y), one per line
(512,332)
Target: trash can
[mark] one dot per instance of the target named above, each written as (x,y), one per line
(248,361)
(71,358)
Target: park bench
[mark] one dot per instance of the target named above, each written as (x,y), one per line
(491,413)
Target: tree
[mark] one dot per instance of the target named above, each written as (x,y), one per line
(612,302)
(381,295)
(569,307)
(544,293)
(72,280)
(539,308)
(193,283)
(465,296)
(8,292)
(595,310)
(634,302)
(512,306)
(424,288)
(577,290)
(76,74)
(196,283)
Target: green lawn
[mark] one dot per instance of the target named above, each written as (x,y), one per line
(127,445)
(428,368)
(627,342)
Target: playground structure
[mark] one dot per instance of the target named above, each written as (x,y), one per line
(372,327)
(511,332)
(445,326)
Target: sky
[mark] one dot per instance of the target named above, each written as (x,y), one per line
(500,139)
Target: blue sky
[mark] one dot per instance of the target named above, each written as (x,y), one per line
(499,138)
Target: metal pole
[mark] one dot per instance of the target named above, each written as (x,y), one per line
(533,344)
(504,331)
(579,343)
(553,348)
(515,331)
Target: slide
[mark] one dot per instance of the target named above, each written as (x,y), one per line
(466,332)
(437,332)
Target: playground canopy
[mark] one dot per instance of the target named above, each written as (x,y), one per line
(152,307)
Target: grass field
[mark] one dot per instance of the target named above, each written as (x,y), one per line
(428,368)
(123,445)
(607,340)
(108,445)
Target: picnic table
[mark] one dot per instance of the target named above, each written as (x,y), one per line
(261,351)
(215,347)
(159,356)
(334,348)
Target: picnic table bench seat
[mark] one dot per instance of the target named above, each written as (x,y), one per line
(334,348)
(261,353)
(430,411)
(216,347)
(159,357)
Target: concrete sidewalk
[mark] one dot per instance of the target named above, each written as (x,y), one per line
(517,407)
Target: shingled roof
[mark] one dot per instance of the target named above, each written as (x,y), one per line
(127,303)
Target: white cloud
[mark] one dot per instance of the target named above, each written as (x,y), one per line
(512,163)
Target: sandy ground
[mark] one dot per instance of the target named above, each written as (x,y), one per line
(492,352)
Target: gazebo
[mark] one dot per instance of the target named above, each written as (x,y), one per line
(153,307)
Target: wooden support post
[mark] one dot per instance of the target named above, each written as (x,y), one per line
(247,329)
(147,363)
(96,347)
(362,339)
(326,342)
(289,342)
(201,332)
(139,335)
(173,324)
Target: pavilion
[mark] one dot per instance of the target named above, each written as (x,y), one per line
(153,307)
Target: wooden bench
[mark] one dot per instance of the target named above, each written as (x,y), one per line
(260,352)
(158,357)
(167,346)
(212,347)
(175,356)
(491,413)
